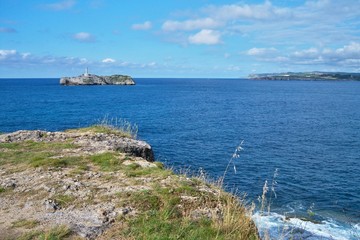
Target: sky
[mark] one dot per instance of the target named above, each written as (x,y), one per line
(177,38)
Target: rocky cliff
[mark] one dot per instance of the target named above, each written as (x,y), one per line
(310,76)
(96,183)
(91,79)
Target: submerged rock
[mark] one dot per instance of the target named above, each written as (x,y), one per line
(92,79)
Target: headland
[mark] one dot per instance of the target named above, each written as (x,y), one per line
(310,76)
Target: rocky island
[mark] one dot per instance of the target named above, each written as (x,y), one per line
(310,76)
(101,183)
(92,79)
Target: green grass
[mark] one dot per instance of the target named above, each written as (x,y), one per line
(100,129)
(135,170)
(159,224)
(2,190)
(57,233)
(187,188)
(50,155)
(113,161)
(108,161)
(25,223)
(114,126)
(161,218)
(35,154)
(37,146)
(163,215)
(146,200)
(64,200)
(41,154)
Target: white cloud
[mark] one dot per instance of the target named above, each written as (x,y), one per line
(269,22)
(84,37)
(351,50)
(17,59)
(142,26)
(307,53)
(14,59)
(205,36)
(59,6)
(349,53)
(256,11)
(345,57)
(261,51)
(234,68)
(108,60)
(5,54)
(152,64)
(189,25)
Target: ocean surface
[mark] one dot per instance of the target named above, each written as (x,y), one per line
(302,137)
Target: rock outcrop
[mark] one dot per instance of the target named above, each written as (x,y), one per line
(92,79)
(56,196)
(92,184)
(89,142)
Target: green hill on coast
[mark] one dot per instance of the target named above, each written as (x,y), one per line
(307,76)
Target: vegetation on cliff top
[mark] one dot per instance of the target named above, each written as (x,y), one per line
(307,76)
(147,200)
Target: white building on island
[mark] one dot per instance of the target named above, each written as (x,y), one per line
(86,72)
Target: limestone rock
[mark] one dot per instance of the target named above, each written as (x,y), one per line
(89,142)
(92,79)
(51,205)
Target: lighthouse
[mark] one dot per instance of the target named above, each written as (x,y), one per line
(86,72)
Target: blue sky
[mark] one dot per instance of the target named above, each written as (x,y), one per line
(177,38)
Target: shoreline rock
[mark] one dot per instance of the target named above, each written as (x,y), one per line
(89,143)
(92,79)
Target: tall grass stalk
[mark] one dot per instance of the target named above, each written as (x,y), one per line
(231,162)
(119,124)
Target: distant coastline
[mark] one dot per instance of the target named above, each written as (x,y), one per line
(309,76)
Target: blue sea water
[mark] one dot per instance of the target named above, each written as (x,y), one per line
(306,131)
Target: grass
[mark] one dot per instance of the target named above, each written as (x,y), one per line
(135,170)
(108,161)
(57,233)
(102,129)
(160,224)
(35,154)
(116,126)
(165,215)
(25,223)
(64,200)
(50,155)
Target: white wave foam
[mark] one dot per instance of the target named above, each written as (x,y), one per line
(279,227)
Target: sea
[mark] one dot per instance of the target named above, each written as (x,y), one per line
(297,143)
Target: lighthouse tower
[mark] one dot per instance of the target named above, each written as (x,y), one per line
(86,72)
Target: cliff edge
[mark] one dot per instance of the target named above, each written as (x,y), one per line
(92,79)
(98,183)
